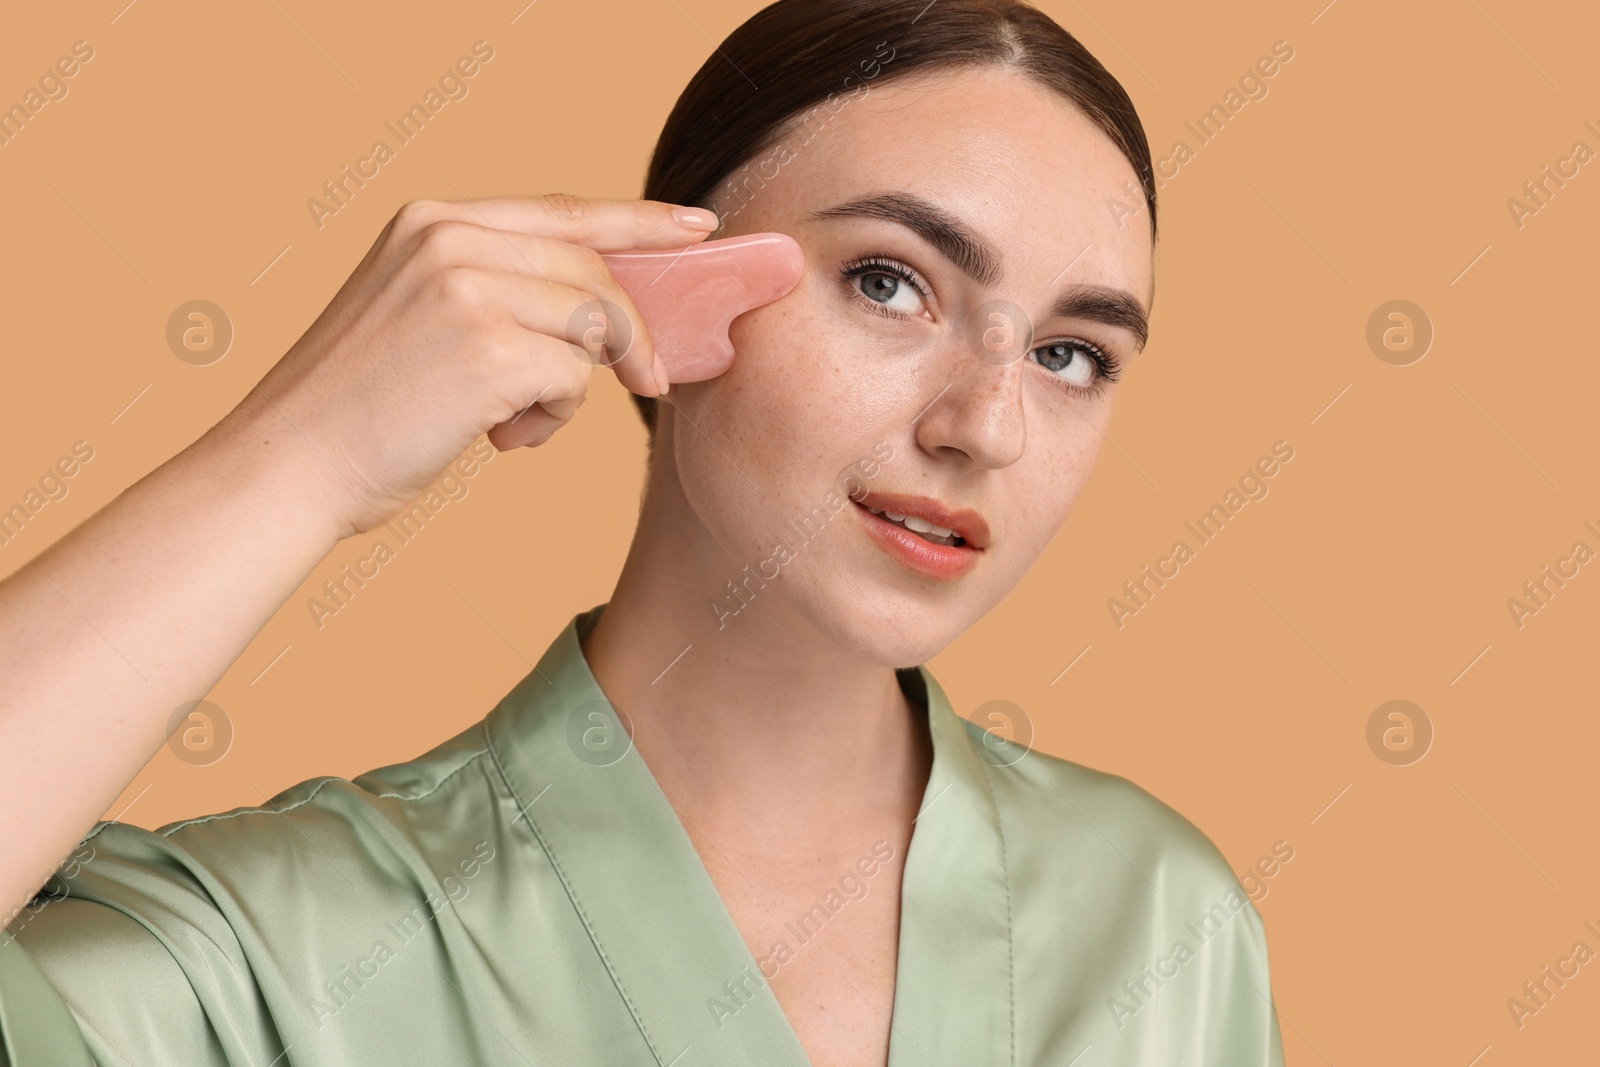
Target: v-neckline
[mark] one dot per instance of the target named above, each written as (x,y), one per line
(665,934)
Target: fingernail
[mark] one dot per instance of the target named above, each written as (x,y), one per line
(663,381)
(695,218)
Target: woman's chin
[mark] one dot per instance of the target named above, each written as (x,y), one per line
(892,628)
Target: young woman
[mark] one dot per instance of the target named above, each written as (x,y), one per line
(729,818)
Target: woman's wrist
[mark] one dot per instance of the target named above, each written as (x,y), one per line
(259,457)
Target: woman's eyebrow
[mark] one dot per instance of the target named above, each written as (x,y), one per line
(958,244)
(1101,303)
(930,222)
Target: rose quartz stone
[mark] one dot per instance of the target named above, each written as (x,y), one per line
(689,297)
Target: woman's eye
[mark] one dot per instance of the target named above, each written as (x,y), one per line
(892,292)
(1070,362)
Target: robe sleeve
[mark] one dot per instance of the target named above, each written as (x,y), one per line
(129,960)
(1247,1035)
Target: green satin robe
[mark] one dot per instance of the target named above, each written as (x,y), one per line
(525,894)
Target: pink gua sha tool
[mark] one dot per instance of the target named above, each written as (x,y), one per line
(689,297)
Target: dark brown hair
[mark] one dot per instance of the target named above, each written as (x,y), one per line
(785,66)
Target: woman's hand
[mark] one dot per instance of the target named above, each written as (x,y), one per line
(464,317)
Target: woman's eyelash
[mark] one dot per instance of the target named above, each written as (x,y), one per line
(879,264)
(1108,366)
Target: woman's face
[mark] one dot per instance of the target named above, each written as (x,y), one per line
(901,364)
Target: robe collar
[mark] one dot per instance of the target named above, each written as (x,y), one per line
(586,797)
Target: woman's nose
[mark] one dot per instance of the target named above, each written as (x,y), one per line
(974,405)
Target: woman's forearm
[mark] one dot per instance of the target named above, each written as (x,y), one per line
(138,610)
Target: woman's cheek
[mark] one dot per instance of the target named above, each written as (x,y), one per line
(786,377)
(1058,462)
(813,370)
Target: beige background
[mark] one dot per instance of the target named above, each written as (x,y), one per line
(1419,499)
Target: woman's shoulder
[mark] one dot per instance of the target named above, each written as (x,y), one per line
(1047,802)
(1123,911)
(397,811)
(223,921)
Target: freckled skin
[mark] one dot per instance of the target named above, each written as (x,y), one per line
(780,735)
(818,380)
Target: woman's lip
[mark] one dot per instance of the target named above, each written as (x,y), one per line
(923,556)
(967,524)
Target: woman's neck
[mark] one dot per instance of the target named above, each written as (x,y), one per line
(759,710)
